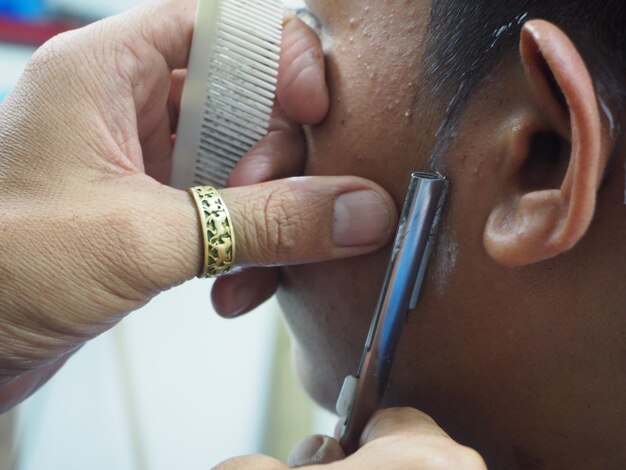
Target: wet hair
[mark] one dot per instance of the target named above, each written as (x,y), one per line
(467,38)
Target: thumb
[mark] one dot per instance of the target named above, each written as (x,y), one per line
(284,222)
(310,219)
(400,422)
(316,450)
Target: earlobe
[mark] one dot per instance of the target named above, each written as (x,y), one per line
(534,224)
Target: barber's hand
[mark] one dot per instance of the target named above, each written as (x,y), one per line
(89,229)
(395,439)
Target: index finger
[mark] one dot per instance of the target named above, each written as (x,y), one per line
(302,89)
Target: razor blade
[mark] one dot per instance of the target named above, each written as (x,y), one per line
(363,393)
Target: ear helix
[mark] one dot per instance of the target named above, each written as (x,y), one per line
(537,224)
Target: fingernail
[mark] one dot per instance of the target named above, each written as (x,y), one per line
(362,218)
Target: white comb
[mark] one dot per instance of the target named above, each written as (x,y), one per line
(230,88)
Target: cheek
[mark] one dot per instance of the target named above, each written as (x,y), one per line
(329,307)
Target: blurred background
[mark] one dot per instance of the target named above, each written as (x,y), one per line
(173,386)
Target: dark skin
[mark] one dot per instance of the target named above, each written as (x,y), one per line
(517,346)
(91,231)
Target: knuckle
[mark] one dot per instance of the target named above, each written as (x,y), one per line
(51,56)
(51,74)
(279,225)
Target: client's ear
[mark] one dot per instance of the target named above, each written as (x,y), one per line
(556,161)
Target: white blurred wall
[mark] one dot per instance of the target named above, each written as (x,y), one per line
(172,387)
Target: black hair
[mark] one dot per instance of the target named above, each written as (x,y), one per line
(467,38)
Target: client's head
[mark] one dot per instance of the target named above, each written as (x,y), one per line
(518,345)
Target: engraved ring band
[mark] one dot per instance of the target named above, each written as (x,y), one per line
(217,232)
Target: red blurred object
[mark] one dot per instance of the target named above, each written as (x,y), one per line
(33,33)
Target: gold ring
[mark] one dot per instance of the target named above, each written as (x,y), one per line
(217,232)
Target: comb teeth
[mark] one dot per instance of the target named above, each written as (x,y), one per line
(238,90)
